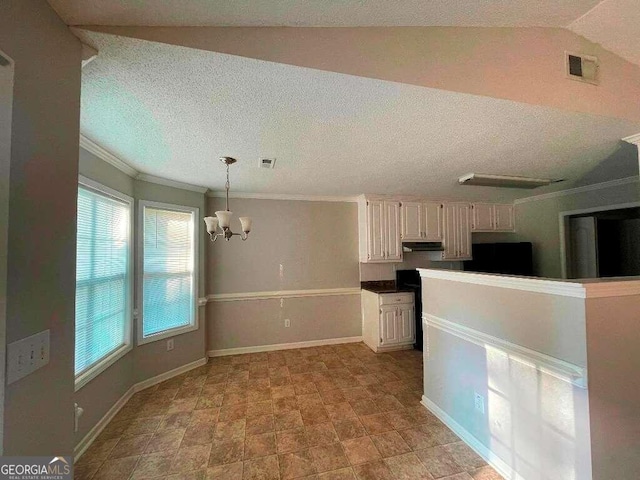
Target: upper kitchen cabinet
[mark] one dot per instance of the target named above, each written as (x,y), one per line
(379,231)
(457,231)
(422,221)
(491,217)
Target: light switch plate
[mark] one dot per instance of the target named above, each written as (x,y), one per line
(27,355)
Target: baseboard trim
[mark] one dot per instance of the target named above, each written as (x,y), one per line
(491,458)
(97,429)
(283,346)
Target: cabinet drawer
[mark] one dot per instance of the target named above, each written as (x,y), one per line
(396,298)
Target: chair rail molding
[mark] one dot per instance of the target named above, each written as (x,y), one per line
(560,369)
(321,292)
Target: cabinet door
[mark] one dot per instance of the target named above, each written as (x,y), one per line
(412,221)
(393,241)
(406,324)
(433,224)
(450,232)
(504,218)
(375,230)
(388,325)
(464,232)
(482,217)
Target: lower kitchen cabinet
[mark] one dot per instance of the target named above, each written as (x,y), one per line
(388,320)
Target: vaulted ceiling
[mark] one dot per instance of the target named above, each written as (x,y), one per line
(402,109)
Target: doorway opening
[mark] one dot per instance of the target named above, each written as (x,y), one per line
(602,243)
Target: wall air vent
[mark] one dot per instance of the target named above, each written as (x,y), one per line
(583,68)
(267,162)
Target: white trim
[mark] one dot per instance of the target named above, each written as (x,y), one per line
(586,188)
(322,292)
(202,301)
(560,369)
(150,382)
(562,218)
(84,444)
(195,211)
(103,154)
(144,177)
(634,139)
(89,438)
(100,366)
(538,285)
(476,445)
(285,196)
(283,346)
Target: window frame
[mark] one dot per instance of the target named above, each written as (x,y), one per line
(96,369)
(194,325)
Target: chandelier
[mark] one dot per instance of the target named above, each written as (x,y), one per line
(223,217)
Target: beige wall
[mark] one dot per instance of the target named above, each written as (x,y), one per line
(535,422)
(251,323)
(6,102)
(538,222)
(613,339)
(151,359)
(521,64)
(294,245)
(42,193)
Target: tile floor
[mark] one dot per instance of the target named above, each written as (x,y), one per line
(325,413)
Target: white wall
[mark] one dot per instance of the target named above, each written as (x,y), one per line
(535,423)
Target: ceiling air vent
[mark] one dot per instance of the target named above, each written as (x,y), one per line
(267,162)
(583,68)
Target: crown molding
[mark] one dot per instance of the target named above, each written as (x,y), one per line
(285,196)
(572,191)
(170,183)
(103,154)
(635,139)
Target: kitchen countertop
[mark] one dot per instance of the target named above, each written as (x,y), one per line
(384,286)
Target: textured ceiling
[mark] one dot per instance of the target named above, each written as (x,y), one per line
(614,24)
(172,111)
(338,13)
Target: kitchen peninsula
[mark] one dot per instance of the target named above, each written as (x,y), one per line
(540,376)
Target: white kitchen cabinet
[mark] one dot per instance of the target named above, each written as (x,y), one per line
(379,231)
(421,221)
(492,217)
(457,231)
(388,320)
(504,218)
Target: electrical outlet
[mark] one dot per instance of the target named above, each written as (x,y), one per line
(169,344)
(27,355)
(479,402)
(287,322)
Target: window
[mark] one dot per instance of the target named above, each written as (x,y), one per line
(168,265)
(103,279)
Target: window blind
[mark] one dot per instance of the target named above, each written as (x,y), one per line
(168,270)
(102,277)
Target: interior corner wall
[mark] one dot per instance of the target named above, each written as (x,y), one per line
(151,359)
(538,222)
(42,193)
(294,246)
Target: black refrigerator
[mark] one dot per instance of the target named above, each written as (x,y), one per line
(506,258)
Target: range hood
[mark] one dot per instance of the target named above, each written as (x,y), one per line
(422,247)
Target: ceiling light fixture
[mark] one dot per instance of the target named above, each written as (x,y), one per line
(223,217)
(506,181)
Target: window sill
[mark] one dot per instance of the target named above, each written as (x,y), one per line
(85,377)
(167,334)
